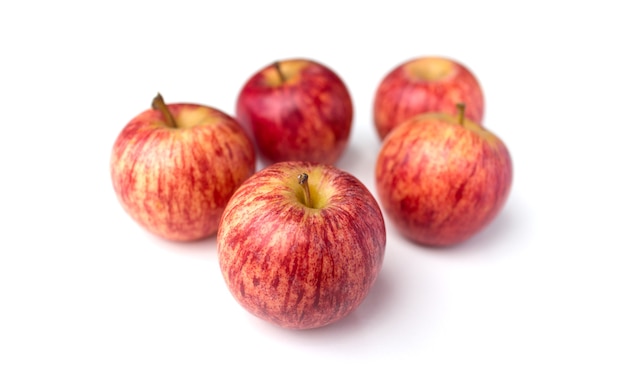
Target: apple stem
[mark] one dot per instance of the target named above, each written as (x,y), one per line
(159,104)
(280,72)
(303,180)
(461,109)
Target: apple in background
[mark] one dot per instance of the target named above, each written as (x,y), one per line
(442,178)
(301,244)
(426,84)
(296,109)
(174,167)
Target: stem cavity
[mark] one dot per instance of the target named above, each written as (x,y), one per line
(159,104)
(281,75)
(303,180)
(460,107)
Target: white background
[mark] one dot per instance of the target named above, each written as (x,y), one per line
(90,301)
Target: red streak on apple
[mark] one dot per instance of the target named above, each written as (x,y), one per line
(297,266)
(422,85)
(440,182)
(176,182)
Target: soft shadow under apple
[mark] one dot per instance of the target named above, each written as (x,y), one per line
(510,229)
(387,312)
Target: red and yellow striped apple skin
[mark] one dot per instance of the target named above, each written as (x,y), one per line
(295,266)
(176,182)
(402,95)
(439,182)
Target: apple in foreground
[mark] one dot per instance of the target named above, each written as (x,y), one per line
(422,85)
(296,109)
(175,166)
(301,244)
(442,178)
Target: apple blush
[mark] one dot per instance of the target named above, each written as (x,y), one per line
(298,110)
(301,244)
(422,85)
(175,166)
(442,178)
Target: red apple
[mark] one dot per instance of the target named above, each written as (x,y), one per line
(296,109)
(174,168)
(301,244)
(422,85)
(442,178)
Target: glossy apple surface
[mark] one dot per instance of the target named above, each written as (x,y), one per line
(426,84)
(175,179)
(295,263)
(296,109)
(441,179)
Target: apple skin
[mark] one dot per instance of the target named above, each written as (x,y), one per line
(304,116)
(295,266)
(440,182)
(422,85)
(175,182)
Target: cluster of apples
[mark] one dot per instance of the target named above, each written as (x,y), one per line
(440,175)
(301,242)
